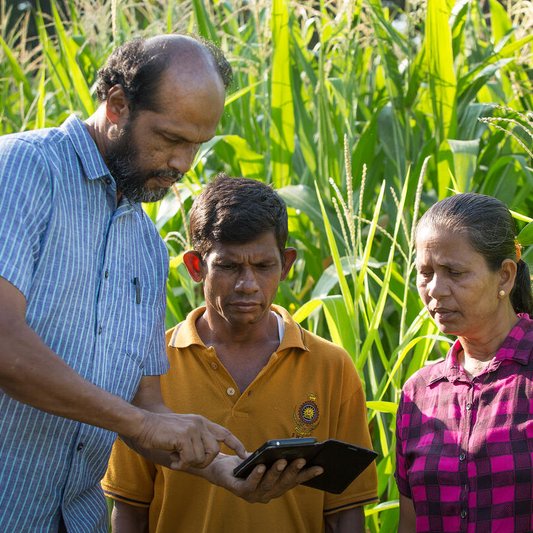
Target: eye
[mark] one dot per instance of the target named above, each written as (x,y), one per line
(454,273)
(265,266)
(425,274)
(226,266)
(170,139)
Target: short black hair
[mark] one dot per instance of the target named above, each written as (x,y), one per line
(490,229)
(236,210)
(138,69)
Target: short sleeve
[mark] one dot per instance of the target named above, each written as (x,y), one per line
(25,207)
(353,427)
(401,466)
(129,477)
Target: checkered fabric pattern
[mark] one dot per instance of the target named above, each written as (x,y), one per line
(465,447)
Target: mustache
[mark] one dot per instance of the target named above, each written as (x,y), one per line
(174,175)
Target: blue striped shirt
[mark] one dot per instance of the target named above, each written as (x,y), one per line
(93,275)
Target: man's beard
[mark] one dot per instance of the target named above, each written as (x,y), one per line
(123,162)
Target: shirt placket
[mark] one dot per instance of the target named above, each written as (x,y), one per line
(229,388)
(464,452)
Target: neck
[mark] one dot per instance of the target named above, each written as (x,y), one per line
(484,346)
(244,350)
(217,332)
(98,129)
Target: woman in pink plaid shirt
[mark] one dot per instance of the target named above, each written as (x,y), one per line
(465,424)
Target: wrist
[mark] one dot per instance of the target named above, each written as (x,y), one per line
(130,421)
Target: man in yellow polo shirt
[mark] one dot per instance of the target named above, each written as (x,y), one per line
(245,364)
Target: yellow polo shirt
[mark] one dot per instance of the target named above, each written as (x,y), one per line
(309,387)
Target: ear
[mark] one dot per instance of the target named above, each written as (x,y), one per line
(289,256)
(193,262)
(117,108)
(507,275)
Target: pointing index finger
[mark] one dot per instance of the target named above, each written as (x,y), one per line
(231,441)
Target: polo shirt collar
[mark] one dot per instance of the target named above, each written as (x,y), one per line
(516,347)
(185,334)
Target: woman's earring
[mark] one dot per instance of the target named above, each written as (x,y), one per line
(501,294)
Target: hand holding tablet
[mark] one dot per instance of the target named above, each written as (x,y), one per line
(342,462)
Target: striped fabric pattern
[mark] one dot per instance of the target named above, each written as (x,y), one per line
(94,276)
(465,447)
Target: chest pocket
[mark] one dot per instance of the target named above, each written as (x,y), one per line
(136,335)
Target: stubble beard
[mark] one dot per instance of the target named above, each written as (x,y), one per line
(122,160)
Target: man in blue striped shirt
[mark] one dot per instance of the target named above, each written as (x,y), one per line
(82,292)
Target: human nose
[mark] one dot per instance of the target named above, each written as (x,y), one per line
(247,282)
(182,157)
(436,287)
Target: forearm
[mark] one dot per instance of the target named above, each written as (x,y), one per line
(31,373)
(407,523)
(129,519)
(349,521)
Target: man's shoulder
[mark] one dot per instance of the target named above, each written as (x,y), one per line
(33,139)
(319,344)
(315,345)
(36,150)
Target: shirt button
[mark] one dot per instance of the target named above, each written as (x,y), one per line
(462,456)
(468,406)
(106,274)
(214,366)
(100,330)
(230,391)
(108,181)
(463,513)
(80,446)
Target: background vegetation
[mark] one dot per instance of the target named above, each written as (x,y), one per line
(360,112)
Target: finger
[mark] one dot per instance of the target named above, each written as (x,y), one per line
(272,475)
(309,473)
(211,448)
(174,461)
(191,452)
(295,473)
(256,476)
(221,434)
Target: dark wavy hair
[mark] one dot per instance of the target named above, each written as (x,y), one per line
(491,231)
(138,69)
(236,210)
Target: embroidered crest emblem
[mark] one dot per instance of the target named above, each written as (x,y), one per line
(306,416)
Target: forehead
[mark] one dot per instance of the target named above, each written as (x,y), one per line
(189,103)
(434,242)
(263,247)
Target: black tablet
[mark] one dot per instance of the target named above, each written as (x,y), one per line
(342,462)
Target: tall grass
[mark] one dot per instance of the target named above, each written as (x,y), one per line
(360,114)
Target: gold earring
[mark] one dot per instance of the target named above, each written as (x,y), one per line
(501,294)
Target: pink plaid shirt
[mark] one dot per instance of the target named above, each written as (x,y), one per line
(465,447)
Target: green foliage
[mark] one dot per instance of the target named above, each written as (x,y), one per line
(360,114)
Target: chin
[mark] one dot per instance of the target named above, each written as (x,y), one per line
(243,319)
(448,329)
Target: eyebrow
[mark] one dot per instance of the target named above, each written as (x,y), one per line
(162,130)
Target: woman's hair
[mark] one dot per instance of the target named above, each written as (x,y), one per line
(236,210)
(491,231)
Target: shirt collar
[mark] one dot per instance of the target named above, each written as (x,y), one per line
(185,334)
(517,347)
(91,160)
